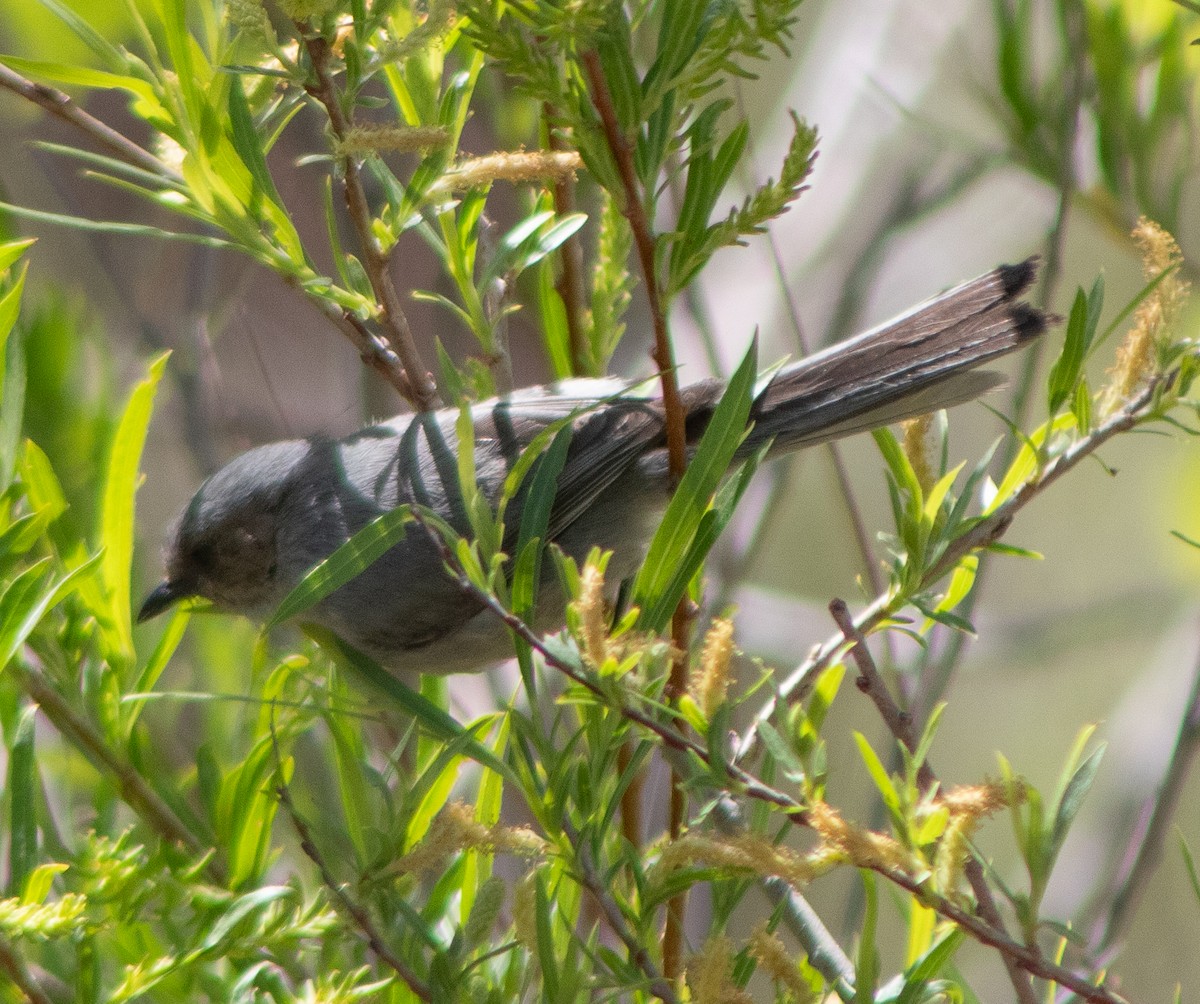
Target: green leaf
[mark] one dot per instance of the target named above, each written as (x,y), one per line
(241,909)
(962,580)
(148,677)
(42,486)
(1070,801)
(432,718)
(83,76)
(117,511)
(685,515)
(883,780)
(553,314)
(868,963)
(1081,330)
(23,605)
(535,521)
(110,227)
(350,560)
(712,525)
(921,973)
(22,801)
(10,251)
(246,142)
(1189,862)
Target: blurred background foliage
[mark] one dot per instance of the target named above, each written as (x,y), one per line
(952,137)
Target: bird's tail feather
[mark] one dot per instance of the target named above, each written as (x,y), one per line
(917,363)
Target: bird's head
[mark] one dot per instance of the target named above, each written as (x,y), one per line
(223,546)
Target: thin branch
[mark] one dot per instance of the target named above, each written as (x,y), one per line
(1030,960)
(664,358)
(643,238)
(590,879)
(901,726)
(14,967)
(61,105)
(132,787)
(418,388)
(824,953)
(372,349)
(1146,845)
(742,782)
(570,280)
(358,914)
(985,532)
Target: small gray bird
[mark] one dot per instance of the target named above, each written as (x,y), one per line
(260,523)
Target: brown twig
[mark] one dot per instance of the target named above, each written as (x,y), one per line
(131,786)
(673,739)
(362,920)
(987,531)
(570,281)
(1032,961)
(747,784)
(13,966)
(1146,844)
(372,349)
(900,725)
(61,105)
(643,239)
(591,880)
(675,418)
(418,388)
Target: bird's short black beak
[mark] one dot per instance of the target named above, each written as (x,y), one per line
(165,596)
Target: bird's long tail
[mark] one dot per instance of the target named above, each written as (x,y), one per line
(917,363)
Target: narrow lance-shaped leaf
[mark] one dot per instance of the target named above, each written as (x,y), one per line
(535,519)
(117,509)
(22,801)
(12,377)
(350,560)
(22,606)
(428,715)
(693,498)
(1081,329)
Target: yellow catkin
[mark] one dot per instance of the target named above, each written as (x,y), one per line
(918,444)
(456,829)
(967,805)
(710,681)
(708,974)
(365,139)
(525,913)
(1137,356)
(864,848)
(593,618)
(977,800)
(778,963)
(521,166)
(745,852)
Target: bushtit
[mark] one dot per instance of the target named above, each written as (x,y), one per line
(260,523)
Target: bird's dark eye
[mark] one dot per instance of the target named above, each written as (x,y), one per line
(202,555)
(272,570)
